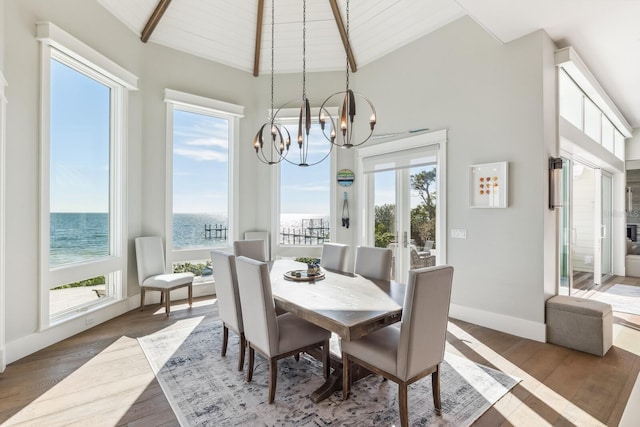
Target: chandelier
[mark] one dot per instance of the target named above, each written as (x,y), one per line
(304,116)
(351,134)
(275,147)
(273,141)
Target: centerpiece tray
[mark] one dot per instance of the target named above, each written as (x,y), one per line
(305,276)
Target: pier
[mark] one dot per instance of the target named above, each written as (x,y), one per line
(312,232)
(216,231)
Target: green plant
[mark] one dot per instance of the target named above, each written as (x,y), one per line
(308,260)
(100,280)
(187,267)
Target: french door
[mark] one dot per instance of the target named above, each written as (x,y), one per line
(403,203)
(585,224)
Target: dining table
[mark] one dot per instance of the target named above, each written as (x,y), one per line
(347,304)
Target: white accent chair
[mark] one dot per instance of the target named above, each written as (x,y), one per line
(152,273)
(373,263)
(224,270)
(275,337)
(334,256)
(415,349)
(253,249)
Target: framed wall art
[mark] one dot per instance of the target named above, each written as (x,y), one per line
(488,185)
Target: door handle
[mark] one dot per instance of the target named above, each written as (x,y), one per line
(603,231)
(405,242)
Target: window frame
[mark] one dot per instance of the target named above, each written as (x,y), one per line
(56,44)
(211,107)
(289,116)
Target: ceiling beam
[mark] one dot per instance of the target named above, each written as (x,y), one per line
(256,55)
(343,34)
(156,16)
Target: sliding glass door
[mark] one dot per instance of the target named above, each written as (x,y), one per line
(585,224)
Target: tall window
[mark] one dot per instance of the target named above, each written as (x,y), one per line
(83,256)
(305,193)
(201,136)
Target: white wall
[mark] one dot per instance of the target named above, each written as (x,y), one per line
(498,103)
(632,146)
(2,186)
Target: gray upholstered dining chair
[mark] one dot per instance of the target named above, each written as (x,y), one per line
(415,349)
(373,263)
(152,273)
(275,337)
(334,256)
(224,270)
(253,249)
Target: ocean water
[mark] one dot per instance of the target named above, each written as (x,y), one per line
(79,237)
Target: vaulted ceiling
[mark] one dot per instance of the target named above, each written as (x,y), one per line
(604,33)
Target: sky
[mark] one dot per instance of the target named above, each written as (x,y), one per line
(80,155)
(79,159)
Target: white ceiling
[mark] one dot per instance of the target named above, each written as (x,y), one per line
(605,33)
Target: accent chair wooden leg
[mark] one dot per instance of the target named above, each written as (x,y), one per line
(225,339)
(141,299)
(250,368)
(273,378)
(435,386)
(190,294)
(162,297)
(167,302)
(346,375)
(402,401)
(243,346)
(326,359)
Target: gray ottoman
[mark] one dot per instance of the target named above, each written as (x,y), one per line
(579,323)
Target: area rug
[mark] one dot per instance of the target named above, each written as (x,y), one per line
(623,298)
(205,389)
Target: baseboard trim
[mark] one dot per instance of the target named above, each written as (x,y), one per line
(38,340)
(500,322)
(3,362)
(31,343)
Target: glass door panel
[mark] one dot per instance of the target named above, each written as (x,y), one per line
(605,234)
(384,206)
(583,220)
(422,216)
(564,228)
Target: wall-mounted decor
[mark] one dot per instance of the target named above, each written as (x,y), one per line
(345,177)
(488,186)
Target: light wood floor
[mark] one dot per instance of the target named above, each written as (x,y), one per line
(101,376)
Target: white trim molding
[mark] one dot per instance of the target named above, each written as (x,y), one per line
(51,35)
(3,104)
(508,324)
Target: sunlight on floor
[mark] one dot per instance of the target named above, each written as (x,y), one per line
(548,397)
(102,381)
(627,337)
(100,386)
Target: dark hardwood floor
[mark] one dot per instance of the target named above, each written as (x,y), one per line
(101,376)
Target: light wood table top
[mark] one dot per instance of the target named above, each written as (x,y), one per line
(349,305)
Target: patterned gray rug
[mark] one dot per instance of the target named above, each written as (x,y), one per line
(205,389)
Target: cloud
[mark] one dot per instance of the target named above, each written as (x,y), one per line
(200,155)
(208,142)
